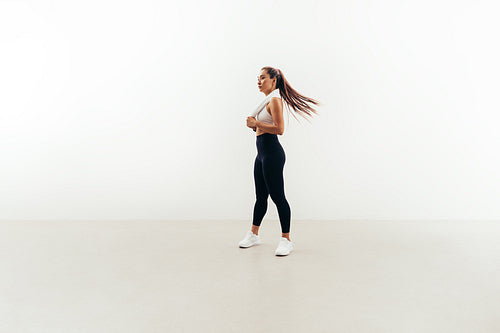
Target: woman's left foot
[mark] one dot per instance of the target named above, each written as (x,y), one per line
(284,247)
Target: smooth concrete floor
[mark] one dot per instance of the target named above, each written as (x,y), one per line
(191,276)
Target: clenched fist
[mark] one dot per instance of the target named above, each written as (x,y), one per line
(252,123)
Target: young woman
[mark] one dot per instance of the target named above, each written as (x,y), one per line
(270,160)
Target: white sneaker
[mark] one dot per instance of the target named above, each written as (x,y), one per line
(250,239)
(284,247)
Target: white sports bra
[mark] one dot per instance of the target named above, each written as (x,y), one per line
(264,116)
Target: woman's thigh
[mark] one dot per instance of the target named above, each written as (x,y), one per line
(272,168)
(258,175)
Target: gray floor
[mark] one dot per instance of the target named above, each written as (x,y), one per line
(343,276)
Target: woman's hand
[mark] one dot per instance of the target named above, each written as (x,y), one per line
(252,122)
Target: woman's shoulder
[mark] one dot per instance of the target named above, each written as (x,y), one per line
(276,98)
(268,106)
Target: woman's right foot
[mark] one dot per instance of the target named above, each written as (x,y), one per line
(250,239)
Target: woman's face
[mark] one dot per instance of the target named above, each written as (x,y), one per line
(264,82)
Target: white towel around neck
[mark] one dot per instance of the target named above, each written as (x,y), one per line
(267,99)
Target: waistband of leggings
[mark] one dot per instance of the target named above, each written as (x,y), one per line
(267,136)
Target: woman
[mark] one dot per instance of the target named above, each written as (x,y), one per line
(270,160)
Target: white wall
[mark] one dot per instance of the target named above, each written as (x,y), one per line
(137,109)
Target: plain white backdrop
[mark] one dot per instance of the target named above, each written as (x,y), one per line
(137,109)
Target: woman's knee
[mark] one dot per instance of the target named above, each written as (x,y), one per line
(262,197)
(278,197)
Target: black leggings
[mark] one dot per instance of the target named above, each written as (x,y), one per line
(268,176)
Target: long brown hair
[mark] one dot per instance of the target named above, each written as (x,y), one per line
(293,98)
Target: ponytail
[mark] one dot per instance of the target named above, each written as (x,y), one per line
(293,98)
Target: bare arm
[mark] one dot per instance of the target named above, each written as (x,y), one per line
(273,129)
(277,113)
